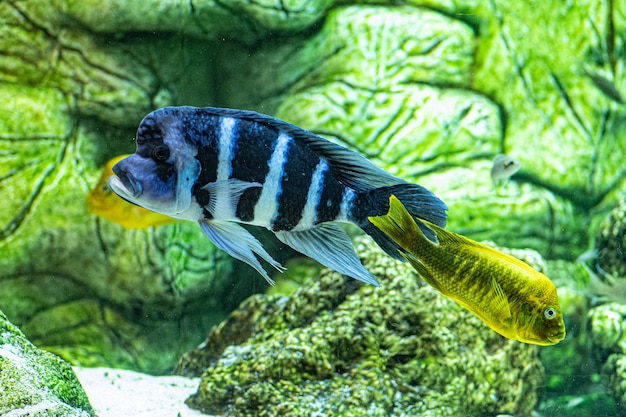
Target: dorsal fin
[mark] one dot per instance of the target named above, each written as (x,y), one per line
(447,237)
(351,168)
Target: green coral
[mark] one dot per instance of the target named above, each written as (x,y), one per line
(36,380)
(338,347)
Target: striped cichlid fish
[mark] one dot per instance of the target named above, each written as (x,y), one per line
(225,167)
(511,297)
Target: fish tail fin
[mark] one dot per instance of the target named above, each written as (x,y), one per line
(392,213)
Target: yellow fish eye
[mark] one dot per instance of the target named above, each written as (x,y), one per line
(550,313)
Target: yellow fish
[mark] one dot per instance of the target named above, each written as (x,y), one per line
(103,202)
(511,297)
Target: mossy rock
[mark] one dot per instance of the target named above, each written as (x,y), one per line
(608,337)
(35,382)
(611,244)
(342,348)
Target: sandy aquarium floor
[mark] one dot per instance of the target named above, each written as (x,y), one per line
(120,393)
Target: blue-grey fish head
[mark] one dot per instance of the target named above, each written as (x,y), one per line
(161,174)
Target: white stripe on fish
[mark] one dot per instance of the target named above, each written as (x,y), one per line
(309,214)
(267,207)
(345,210)
(222,205)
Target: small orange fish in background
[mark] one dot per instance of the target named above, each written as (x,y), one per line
(103,202)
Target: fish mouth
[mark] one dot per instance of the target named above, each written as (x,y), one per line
(125,185)
(557,337)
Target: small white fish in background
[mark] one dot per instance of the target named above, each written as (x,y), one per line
(503,168)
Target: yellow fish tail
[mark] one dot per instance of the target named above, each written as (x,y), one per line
(400,225)
(405,231)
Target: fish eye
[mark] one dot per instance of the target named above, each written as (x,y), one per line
(160,153)
(549,313)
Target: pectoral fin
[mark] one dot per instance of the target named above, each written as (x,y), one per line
(500,302)
(329,245)
(240,244)
(492,308)
(224,196)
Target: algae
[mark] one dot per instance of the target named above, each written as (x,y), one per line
(35,381)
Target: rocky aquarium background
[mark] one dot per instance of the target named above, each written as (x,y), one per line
(431,91)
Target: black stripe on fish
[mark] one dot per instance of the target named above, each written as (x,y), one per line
(253,150)
(330,199)
(297,173)
(246,204)
(207,156)
(201,131)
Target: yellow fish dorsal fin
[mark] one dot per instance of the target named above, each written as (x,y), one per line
(446,236)
(450,238)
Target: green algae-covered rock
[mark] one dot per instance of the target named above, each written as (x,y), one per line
(204,18)
(34,382)
(611,244)
(419,108)
(535,62)
(336,347)
(605,264)
(608,335)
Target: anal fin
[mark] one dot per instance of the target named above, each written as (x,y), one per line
(240,244)
(331,246)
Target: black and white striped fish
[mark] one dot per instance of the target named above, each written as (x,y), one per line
(221,167)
